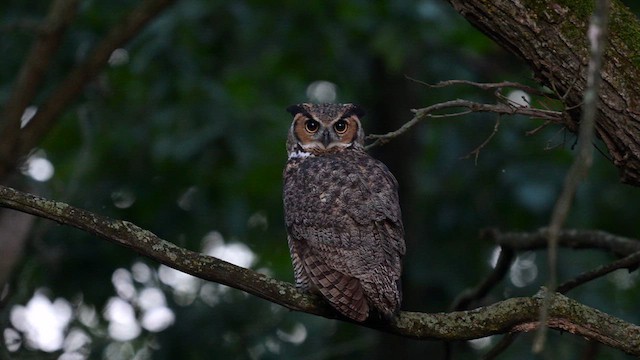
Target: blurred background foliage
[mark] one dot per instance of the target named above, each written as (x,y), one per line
(183,134)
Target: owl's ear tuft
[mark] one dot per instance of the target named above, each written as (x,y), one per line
(356,110)
(296,109)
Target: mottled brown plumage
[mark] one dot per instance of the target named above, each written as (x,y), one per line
(342,213)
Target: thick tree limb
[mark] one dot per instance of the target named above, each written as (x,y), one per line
(512,315)
(549,36)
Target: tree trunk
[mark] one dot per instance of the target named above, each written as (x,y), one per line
(551,36)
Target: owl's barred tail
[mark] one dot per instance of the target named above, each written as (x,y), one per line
(348,298)
(384,295)
(344,293)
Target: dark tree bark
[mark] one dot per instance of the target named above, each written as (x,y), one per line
(551,37)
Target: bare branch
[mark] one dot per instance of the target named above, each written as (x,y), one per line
(546,35)
(31,74)
(476,151)
(512,315)
(502,267)
(73,84)
(537,129)
(470,106)
(582,163)
(484,86)
(576,239)
(501,346)
(627,248)
(630,262)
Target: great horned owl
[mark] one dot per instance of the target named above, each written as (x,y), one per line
(341,212)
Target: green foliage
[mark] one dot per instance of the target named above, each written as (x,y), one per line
(183,134)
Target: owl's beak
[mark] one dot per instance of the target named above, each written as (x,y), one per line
(326,139)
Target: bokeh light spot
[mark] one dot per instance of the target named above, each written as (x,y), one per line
(38,167)
(322,91)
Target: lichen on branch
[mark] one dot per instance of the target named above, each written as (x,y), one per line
(511,315)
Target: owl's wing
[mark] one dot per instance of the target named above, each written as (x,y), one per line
(379,220)
(343,291)
(352,269)
(350,248)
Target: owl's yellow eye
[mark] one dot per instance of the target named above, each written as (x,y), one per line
(311,125)
(341,126)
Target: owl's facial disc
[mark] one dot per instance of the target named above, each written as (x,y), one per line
(319,129)
(331,134)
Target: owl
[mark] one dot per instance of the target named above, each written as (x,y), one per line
(342,214)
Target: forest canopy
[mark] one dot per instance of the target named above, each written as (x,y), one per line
(161,125)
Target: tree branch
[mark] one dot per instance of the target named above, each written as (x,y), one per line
(468,106)
(584,159)
(31,74)
(483,86)
(630,262)
(481,290)
(627,249)
(70,88)
(549,36)
(576,239)
(512,315)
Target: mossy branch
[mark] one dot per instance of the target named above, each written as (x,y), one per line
(549,35)
(508,316)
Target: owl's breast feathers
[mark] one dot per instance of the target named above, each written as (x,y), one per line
(328,183)
(345,231)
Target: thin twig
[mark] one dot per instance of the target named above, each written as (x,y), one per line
(470,106)
(455,114)
(629,262)
(562,132)
(619,246)
(476,151)
(501,346)
(537,129)
(582,163)
(483,86)
(502,267)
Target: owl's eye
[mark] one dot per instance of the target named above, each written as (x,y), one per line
(311,125)
(340,126)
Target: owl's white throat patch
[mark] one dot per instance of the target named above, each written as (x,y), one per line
(299,155)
